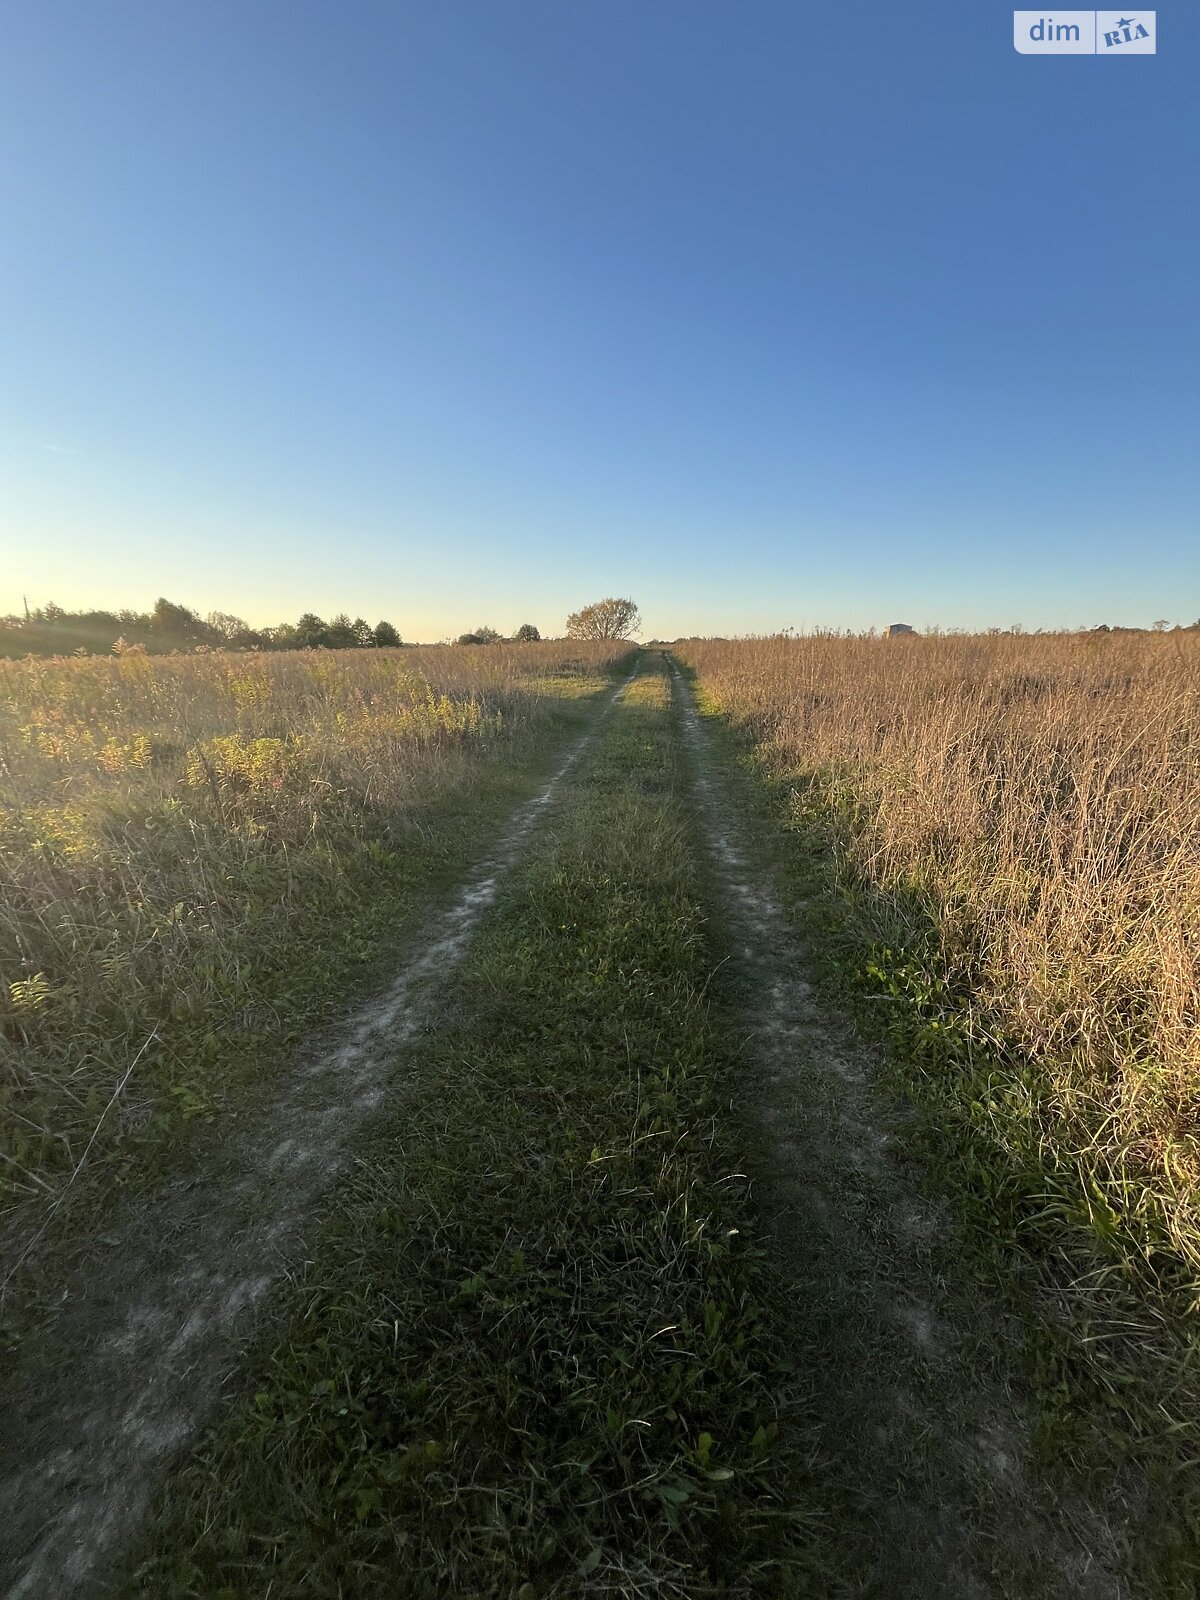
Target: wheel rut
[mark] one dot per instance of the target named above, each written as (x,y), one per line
(926,1442)
(143,1339)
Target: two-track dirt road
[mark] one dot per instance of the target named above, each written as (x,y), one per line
(919,1437)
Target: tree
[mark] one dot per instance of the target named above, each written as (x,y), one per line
(340,634)
(484,635)
(169,621)
(311,632)
(386,637)
(605,619)
(225,626)
(527,634)
(364,634)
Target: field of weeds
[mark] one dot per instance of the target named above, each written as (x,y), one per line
(1016,823)
(200,856)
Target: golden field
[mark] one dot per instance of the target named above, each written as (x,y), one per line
(1017,821)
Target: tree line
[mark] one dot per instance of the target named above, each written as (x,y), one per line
(51,631)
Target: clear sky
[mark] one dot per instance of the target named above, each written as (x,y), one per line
(462,311)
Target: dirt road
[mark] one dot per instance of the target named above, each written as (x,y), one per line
(900,1379)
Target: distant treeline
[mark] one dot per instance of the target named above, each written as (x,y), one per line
(51,631)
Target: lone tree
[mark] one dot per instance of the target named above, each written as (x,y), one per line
(527,634)
(605,619)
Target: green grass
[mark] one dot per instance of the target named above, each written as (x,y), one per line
(1107,1345)
(532,1354)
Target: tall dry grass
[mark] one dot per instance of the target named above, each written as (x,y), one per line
(192,848)
(1035,802)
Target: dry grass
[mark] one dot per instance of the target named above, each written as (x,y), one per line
(191,846)
(1035,802)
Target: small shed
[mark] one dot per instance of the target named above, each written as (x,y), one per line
(894,629)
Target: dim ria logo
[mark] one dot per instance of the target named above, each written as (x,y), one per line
(1084,33)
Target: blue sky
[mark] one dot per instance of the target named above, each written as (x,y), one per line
(461,311)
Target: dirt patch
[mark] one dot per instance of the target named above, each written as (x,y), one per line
(147,1330)
(928,1446)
